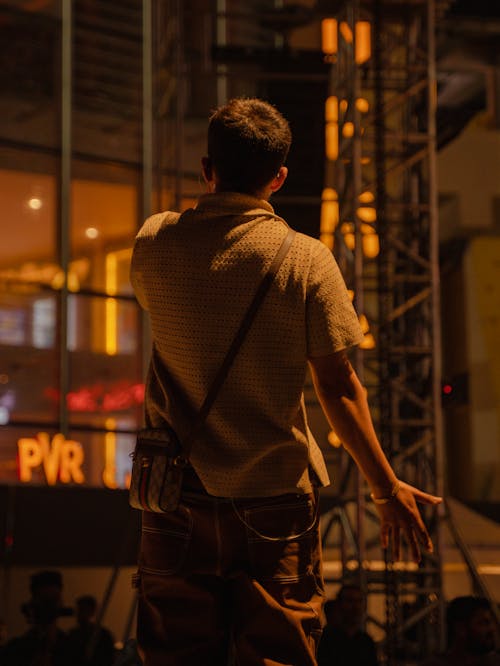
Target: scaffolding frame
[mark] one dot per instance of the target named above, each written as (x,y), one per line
(388,156)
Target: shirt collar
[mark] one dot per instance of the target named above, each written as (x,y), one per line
(231,203)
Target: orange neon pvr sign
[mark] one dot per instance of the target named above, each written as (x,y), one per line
(61,459)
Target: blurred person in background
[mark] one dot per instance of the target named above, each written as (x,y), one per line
(472,634)
(44,644)
(344,642)
(90,644)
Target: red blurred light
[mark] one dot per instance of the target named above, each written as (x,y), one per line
(447,389)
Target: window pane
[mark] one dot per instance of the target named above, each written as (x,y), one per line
(28,355)
(28,221)
(107,462)
(29,59)
(103,226)
(107,73)
(106,380)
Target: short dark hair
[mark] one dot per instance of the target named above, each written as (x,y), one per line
(462,609)
(87,601)
(43,579)
(248,141)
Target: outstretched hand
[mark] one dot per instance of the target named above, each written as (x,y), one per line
(401,517)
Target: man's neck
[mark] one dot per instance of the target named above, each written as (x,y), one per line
(262,194)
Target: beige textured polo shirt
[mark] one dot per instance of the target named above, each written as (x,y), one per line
(195,275)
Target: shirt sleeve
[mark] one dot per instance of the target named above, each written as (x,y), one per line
(332,323)
(136,275)
(139,263)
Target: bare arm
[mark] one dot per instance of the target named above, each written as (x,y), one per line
(344,403)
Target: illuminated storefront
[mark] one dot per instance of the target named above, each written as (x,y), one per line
(90,144)
(102,355)
(72,192)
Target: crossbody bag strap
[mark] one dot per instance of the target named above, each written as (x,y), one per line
(238,339)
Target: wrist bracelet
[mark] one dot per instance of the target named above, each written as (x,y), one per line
(384,500)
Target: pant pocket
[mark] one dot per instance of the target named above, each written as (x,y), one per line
(283,539)
(165,541)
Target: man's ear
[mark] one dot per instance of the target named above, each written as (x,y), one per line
(206,167)
(279,179)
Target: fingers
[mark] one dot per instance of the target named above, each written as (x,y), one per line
(402,518)
(392,534)
(415,534)
(423,535)
(414,545)
(421,496)
(421,532)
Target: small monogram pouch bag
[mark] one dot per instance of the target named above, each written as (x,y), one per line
(157,470)
(160,457)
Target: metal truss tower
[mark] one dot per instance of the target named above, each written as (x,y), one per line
(380,217)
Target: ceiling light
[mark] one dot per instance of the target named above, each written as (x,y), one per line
(91,232)
(35,203)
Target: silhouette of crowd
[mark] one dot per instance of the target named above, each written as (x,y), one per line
(87,643)
(470,622)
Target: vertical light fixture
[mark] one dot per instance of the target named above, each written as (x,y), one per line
(363,44)
(109,472)
(329,36)
(111,342)
(329,216)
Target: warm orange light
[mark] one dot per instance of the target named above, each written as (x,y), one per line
(332,109)
(366,213)
(371,245)
(333,439)
(92,233)
(329,216)
(109,472)
(362,105)
(329,37)
(29,456)
(111,326)
(329,194)
(73,281)
(348,130)
(111,304)
(332,128)
(366,197)
(346,32)
(363,322)
(332,141)
(71,461)
(58,280)
(347,230)
(61,458)
(368,342)
(343,106)
(363,48)
(328,240)
(350,241)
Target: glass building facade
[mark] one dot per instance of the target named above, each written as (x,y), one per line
(72,192)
